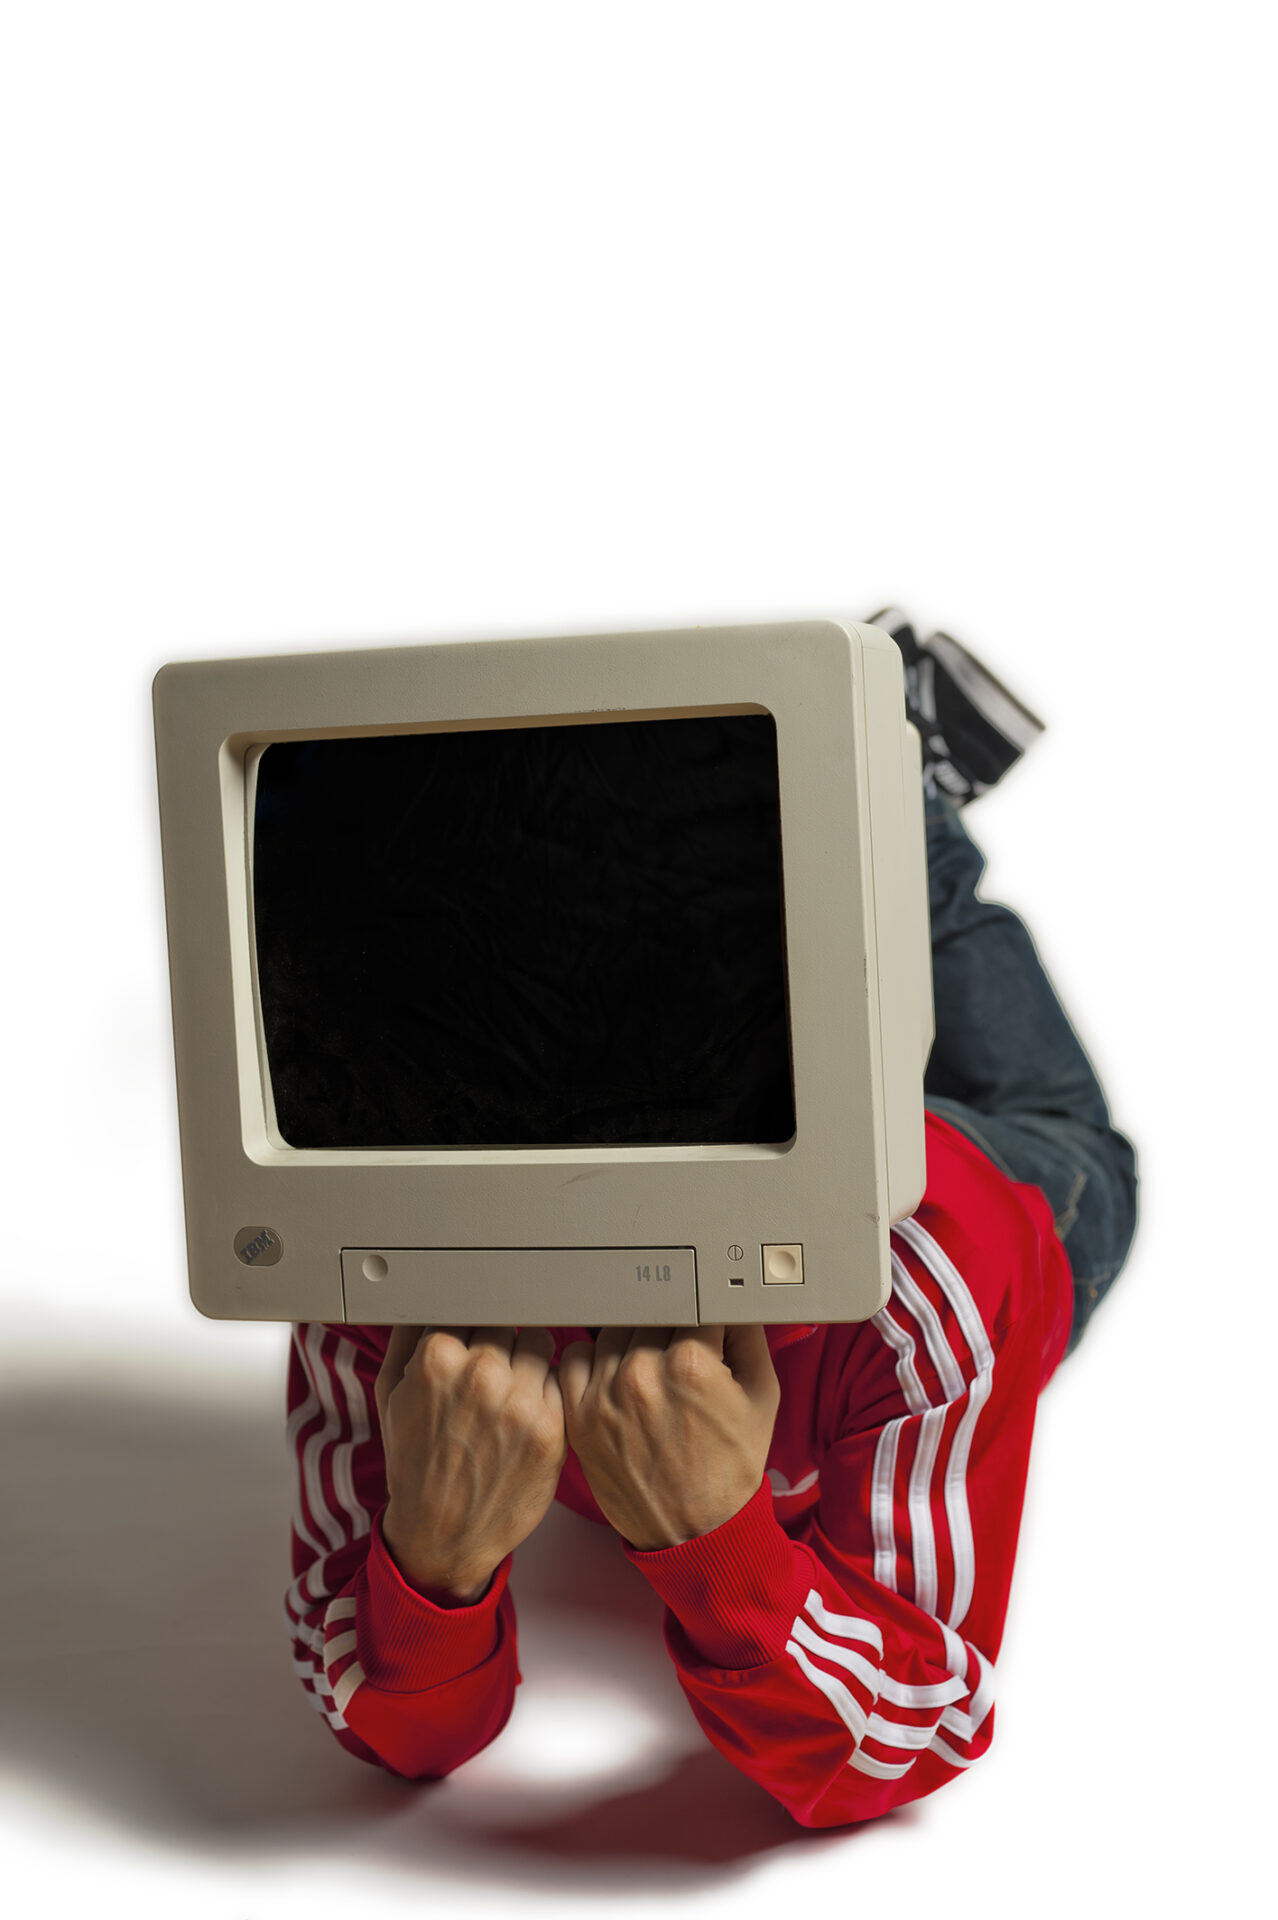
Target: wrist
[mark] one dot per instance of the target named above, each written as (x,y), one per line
(448,1593)
(445,1585)
(687,1527)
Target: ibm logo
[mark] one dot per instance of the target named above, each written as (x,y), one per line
(258,1246)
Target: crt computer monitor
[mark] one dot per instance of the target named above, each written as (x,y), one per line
(550,981)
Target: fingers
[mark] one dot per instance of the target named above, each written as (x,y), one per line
(710,1337)
(746,1351)
(616,1344)
(654,1337)
(528,1352)
(503,1338)
(533,1352)
(596,1367)
(462,1334)
(575,1363)
(583,1364)
(528,1349)
(552,1391)
(399,1350)
(743,1349)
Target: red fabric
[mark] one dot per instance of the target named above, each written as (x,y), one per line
(836,1638)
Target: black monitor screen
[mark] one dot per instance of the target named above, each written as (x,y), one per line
(544,936)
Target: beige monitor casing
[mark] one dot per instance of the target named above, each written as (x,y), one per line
(645,1236)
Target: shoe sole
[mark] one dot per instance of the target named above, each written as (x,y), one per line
(991,699)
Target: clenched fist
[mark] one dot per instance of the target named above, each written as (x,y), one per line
(473,1431)
(672,1425)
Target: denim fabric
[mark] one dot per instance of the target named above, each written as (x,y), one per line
(1007,1068)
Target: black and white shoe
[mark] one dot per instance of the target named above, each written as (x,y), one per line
(972,728)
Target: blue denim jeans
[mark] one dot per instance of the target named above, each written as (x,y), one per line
(1008,1070)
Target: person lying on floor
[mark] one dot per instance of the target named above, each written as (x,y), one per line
(830,1513)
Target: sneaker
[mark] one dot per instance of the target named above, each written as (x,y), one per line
(972,728)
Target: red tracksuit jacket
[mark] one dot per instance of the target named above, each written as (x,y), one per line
(836,1638)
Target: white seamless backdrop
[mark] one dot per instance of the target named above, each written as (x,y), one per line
(326,325)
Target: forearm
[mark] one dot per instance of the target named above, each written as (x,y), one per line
(415,1679)
(837,1698)
(814,1663)
(422,1686)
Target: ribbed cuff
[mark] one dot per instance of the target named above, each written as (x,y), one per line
(404,1641)
(734,1591)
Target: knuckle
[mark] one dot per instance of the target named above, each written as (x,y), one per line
(487,1370)
(687,1361)
(639,1376)
(438,1367)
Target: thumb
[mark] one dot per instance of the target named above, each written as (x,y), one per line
(747,1353)
(400,1349)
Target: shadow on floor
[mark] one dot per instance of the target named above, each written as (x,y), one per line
(147,1674)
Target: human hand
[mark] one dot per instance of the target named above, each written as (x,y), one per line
(473,1431)
(671,1425)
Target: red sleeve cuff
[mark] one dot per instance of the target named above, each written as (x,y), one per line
(404,1641)
(734,1591)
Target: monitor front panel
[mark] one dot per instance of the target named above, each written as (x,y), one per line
(489,998)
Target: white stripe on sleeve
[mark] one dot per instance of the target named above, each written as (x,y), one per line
(848,1708)
(848,1625)
(878,1769)
(915,1301)
(339,1395)
(856,1663)
(882,1500)
(955,1289)
(902,1341)
(885,1689)
(923,1552)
